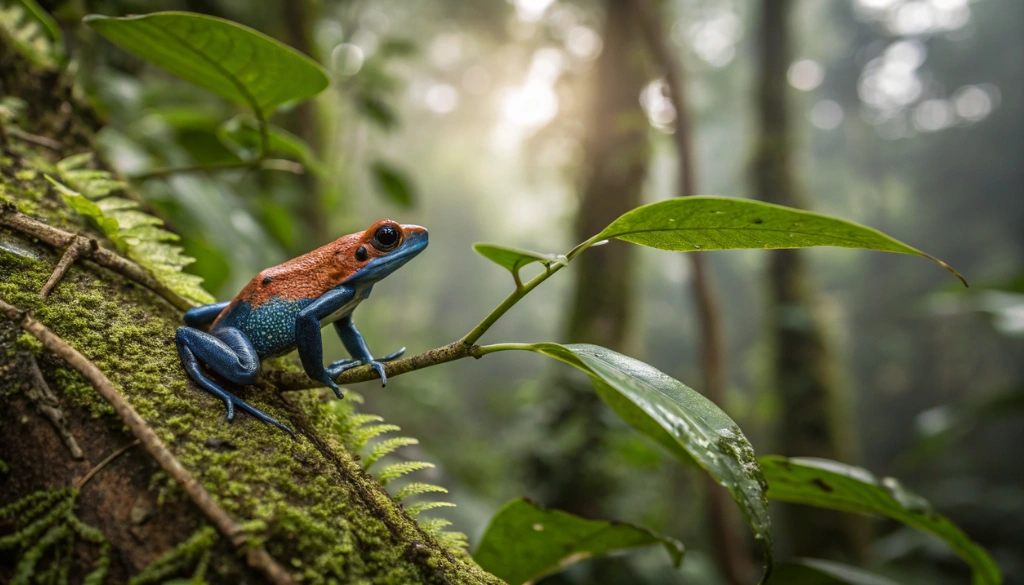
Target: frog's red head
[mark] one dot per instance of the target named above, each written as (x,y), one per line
(380,250)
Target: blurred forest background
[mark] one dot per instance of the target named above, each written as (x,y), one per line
(492,121)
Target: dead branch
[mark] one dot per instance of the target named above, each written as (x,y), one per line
(76,250)
(48,406)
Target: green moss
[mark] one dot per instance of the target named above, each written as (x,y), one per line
(311,503)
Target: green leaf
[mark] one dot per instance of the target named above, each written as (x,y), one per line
(514,259)
(525,542)
(820,572)
(47,22)
(241,135)
(234,61)
(83,206)
(393,183)
(833,485)
(680,418)
(378,111)
(688,224)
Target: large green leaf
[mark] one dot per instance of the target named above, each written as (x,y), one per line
(688,224)
(525,542)
(236,62)
(680,418)
(829,484)
(819,572)
(513,259)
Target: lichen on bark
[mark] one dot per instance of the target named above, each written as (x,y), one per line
(307,499)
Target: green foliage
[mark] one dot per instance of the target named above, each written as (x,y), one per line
(241,135)
(525,542)
(134,232)
(393,183)
(829,484)
(690,224)
(820,572)
(192,553)
(679,418)
(45,523)
(33,31)
(234,61)
(513,259)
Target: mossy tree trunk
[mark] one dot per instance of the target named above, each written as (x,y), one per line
(816,419)
(310,503)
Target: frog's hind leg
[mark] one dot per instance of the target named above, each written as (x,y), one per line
(228,353)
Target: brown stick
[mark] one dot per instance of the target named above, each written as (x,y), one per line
(730,554)
(58,238)
(76,250)
(257,556)
(285,381)
(99,466)
(34,138)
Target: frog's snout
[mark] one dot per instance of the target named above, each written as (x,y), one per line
(415,236)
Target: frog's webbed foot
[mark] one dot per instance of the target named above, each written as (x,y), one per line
(335,369)
(228,356)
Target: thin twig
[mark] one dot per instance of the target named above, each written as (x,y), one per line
(35,139)
(58,238)
(75,251)
(257,556)
(732,559)
(48,406)
(270,164)
(99,466)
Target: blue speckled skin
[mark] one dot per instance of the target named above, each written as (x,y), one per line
(261,325)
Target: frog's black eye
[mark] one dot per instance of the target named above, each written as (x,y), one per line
(386,238)
(361,254)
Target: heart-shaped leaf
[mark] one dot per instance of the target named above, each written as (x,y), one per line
(678,417)
(525,542)
(820,572)
(234,61)
(688,224)
(829,484)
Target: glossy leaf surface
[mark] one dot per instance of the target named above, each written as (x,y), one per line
(689,224)
(234,61)
(525,542)
(674,414)
(829,484)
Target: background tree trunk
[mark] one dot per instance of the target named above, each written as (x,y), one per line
(617,154)
(816,420)
(317,512)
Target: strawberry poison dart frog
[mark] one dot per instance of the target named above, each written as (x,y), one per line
(284,308)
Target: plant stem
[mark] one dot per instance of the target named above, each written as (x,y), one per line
(260,163)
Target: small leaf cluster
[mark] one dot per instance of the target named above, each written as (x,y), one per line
(33,31)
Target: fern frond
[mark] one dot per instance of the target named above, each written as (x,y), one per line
(136,233)
(434,526)
(452,540)
(397,470)
(415,509)
(385,447)
(33,32)
(416,488)
(362,435)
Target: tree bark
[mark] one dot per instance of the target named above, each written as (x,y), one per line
(816,420)
(306,501)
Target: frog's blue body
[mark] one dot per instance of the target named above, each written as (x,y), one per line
(283,309)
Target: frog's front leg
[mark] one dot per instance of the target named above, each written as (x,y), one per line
(356,346)
(230,354)
(307,333)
